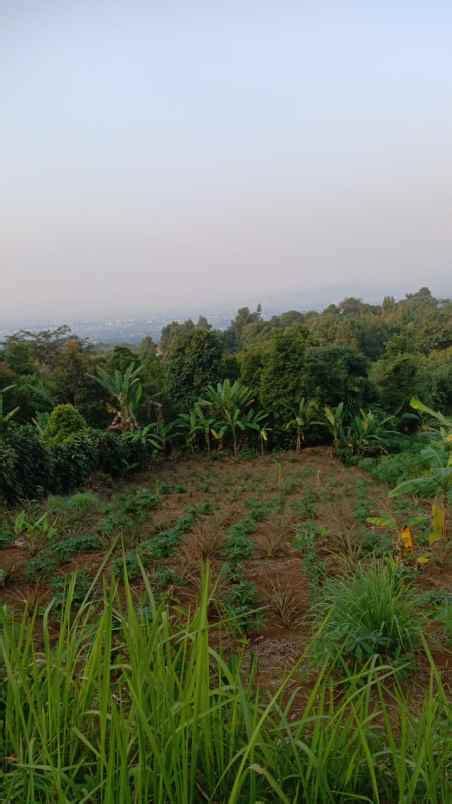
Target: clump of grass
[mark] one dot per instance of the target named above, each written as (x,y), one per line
(127,704)
(284,603)
(82,502)
(372,614)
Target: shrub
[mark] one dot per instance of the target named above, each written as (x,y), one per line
(31,467)
(73,461)
(64,422)
(25,464)
(374,613)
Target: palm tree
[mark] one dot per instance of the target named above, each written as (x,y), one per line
(126,389)
(304,418)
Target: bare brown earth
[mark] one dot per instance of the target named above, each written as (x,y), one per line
(276,567)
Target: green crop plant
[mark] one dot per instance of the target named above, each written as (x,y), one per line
(362,507)
(241,606)
(34,532)
(306,539)
(74,545)
(129,565)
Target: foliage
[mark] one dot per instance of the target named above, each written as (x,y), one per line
(281,381)
(64,422)
(370,433)
(306,539)
(130,705)
(6,417)
(194,360)
(373,614)
(125,389)
(335,374)
(26,465)
(335,422)
(31,468)
(229,405)
(304,418)
(241,605)
(438,457)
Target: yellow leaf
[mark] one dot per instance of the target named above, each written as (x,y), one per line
(422,560)
(438,523)
(407,539)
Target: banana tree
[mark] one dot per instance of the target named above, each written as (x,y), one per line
(304,418)
(196,423)
(126,390)
(368,433)
(258,422)
(335,421)
(438,477)
(228,403)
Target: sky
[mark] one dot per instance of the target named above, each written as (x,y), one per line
(163,155)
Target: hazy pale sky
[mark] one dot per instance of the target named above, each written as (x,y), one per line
(156,154)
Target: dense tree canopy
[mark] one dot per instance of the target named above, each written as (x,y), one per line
(352,352)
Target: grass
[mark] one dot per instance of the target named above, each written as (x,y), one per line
(374,614)
(134,681)
(128,705)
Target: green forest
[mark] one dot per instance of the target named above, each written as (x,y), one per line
(225,560)
(175,394)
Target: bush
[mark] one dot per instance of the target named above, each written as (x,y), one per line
(121,453)
(25,464)
(31,467)
(65,421)
(73,462)
(374,613)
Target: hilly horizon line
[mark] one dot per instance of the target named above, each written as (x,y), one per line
(272,305)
